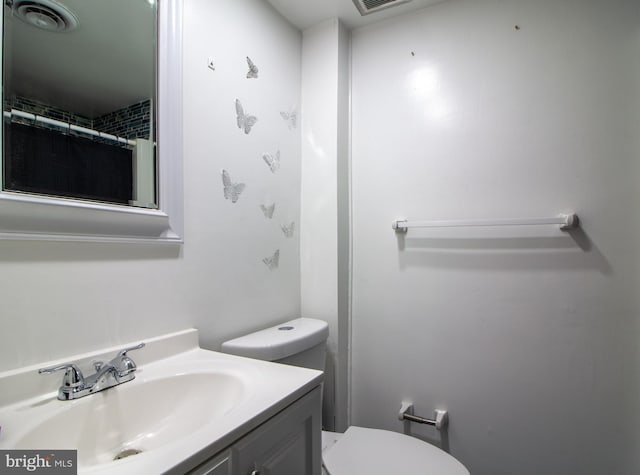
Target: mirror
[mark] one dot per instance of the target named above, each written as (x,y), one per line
(78,96)
(92,120)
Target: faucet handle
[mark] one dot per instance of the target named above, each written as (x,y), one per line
(73,377)
(126,350)
(123,364)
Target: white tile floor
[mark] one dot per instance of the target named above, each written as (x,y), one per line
(328,439)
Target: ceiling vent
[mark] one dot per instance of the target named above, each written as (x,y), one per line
(371,6)
(45,14)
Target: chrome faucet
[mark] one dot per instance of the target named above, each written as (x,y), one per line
(74,385)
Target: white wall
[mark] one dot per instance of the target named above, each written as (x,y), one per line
(527,336)
(239,292)
(324,236)
(64,298)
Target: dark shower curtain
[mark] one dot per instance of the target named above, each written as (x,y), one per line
(39,160)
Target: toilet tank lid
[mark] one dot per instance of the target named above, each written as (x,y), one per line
(280,341)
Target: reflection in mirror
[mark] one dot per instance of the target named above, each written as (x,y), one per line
(79,89)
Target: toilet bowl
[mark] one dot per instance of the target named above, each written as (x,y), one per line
(302,342)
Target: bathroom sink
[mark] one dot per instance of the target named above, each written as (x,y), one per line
(184,405)
(134,418)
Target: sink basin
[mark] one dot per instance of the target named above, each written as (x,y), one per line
(134,418)
(185,405)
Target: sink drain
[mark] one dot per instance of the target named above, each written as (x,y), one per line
(127,453)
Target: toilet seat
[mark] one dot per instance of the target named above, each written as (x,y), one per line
(362,451)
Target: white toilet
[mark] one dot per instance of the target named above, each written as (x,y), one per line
(302,342)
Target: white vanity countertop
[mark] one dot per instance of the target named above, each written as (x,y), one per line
(185,405)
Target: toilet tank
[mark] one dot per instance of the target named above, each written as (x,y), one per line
(299,342)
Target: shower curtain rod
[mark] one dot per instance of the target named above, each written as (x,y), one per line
(68,126)
(565,221)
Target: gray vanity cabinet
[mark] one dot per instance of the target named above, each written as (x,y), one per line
(220,465)
(288,443)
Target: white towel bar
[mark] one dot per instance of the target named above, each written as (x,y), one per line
(565,221)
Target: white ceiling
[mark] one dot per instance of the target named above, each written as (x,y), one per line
(104,65)
(306,13)
(107,63)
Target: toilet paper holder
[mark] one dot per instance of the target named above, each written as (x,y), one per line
(440,421)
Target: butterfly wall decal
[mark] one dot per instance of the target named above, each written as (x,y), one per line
(273,161)
(273,261)
(288,230)
(232,190)
(291,118)
(253,69)
(245,121)
(268,210)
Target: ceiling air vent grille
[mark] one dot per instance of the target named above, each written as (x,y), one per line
(371,6)
(45,14)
